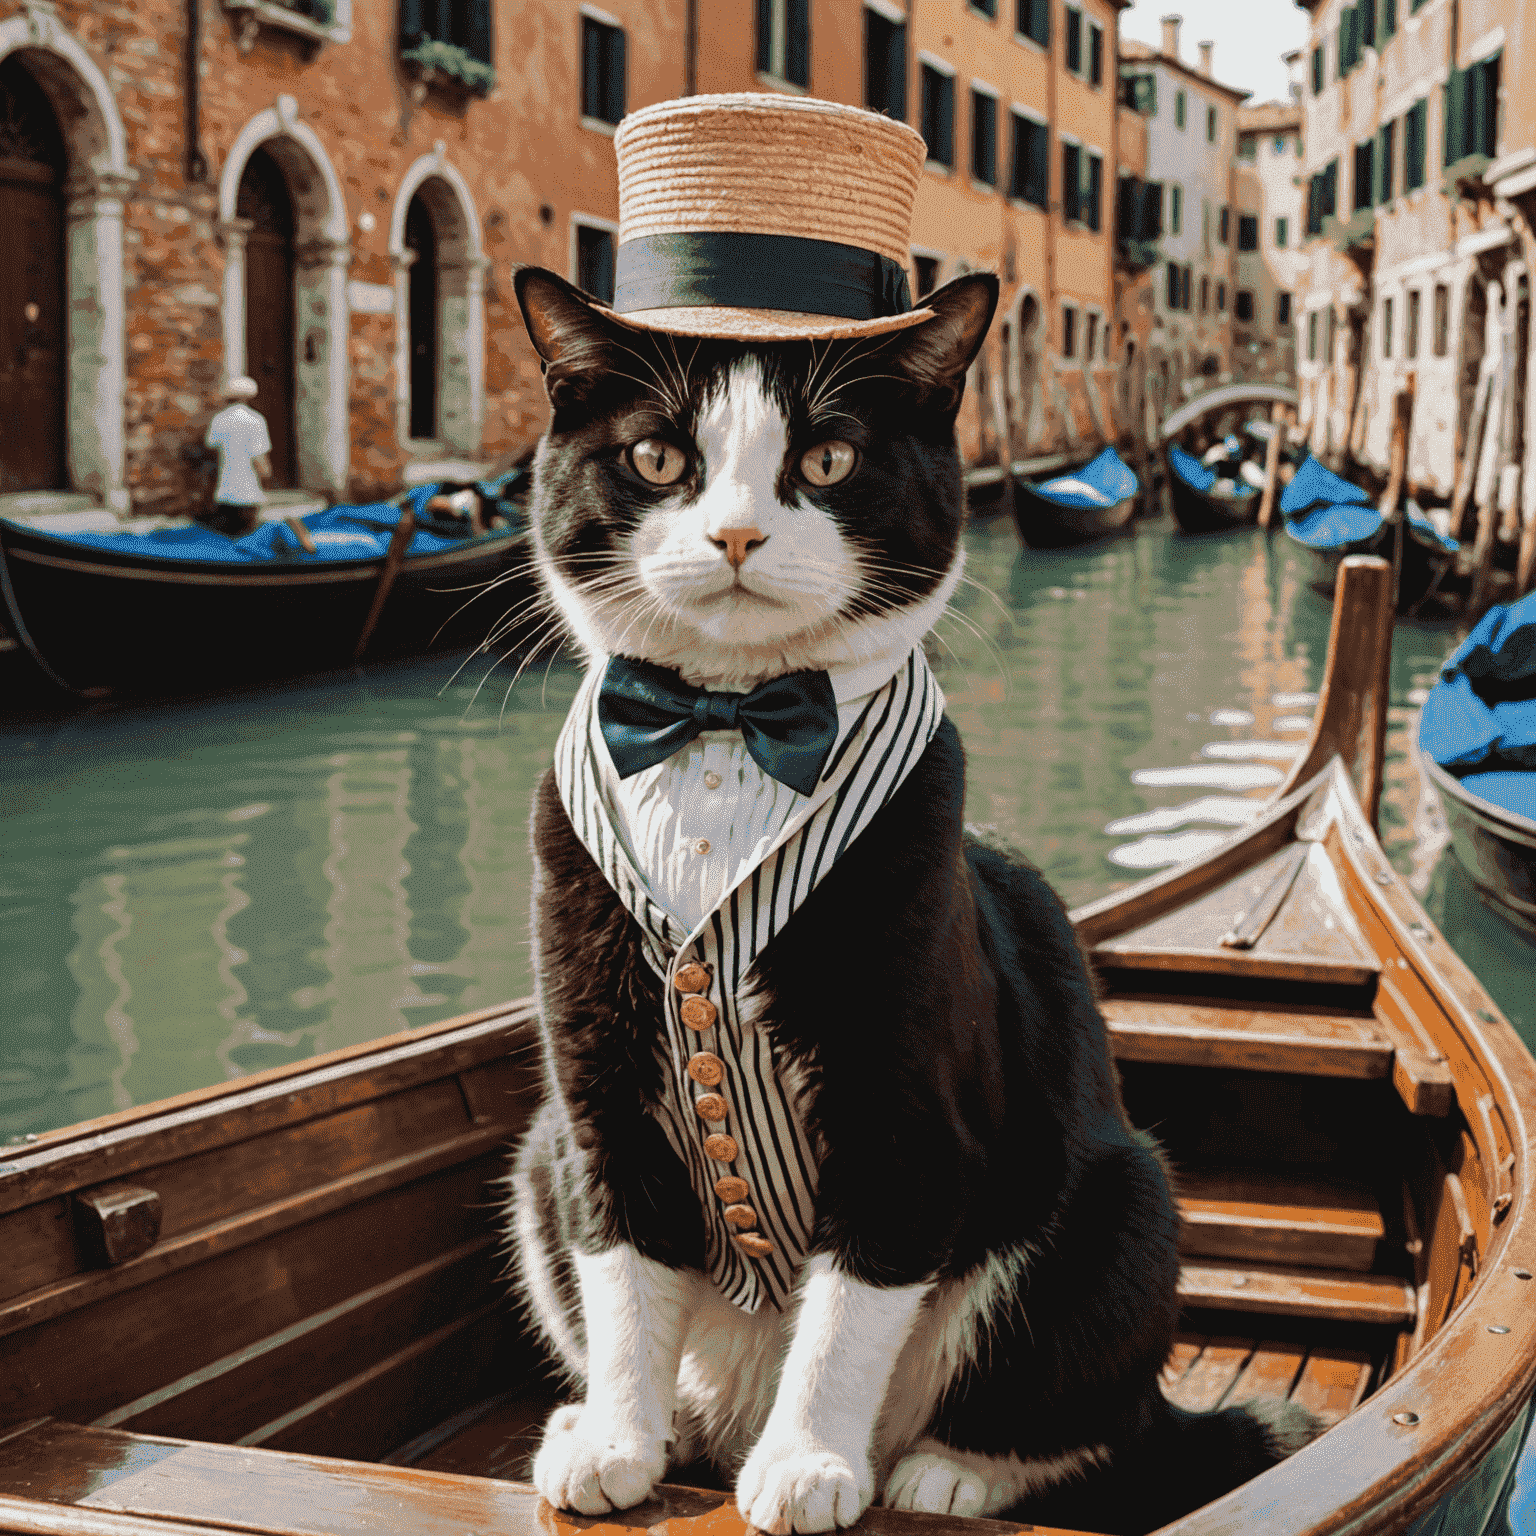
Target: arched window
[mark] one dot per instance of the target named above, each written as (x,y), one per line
(423,317)
(32,285)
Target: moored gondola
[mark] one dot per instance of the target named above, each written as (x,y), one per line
(278,1304)
(1477,745)
(184,608)
(1212,484)
(1077,507)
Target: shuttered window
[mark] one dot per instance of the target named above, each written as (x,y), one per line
(1071,179)
(1386,162)
(1034,21)
(1095,54)
(1242,306)
(1415,145)
(1471,98)
(938,106)
(984,137)
(1247,231)
(1282,309)
(602,71)
(1029,180)
(594,262)
(885,66)
(1317,70)
(1068,331)
(1365,20)
(1282,233)
(1388,20)
(1411,341)
(463,25)
(1072,24)
(1361,192)
(784,40)
(1176,209)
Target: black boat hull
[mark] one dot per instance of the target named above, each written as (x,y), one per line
(1496,847)
(1197,512)
(104,621)
(1422,571)
(1045,524)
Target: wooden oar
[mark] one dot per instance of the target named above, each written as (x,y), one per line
(300,531)
(394,558)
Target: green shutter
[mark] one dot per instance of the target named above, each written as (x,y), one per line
(413,24)
(1454,106)
(479,40)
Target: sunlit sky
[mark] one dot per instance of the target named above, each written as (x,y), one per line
(1250,36)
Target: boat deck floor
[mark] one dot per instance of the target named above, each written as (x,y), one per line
(498,1437)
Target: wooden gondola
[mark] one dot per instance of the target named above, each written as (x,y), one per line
(279,1304)
(94,620)
(1496,846)
(1048,519)
(1201,510)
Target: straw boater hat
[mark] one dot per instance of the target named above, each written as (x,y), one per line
(765,218)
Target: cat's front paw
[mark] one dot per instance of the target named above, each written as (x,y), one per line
(808,1487)
(585,1465)
(935,1485)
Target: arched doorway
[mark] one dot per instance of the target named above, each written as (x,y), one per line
(270,323)
(32,309)
(423,317)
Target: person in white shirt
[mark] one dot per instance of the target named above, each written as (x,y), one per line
(240,435)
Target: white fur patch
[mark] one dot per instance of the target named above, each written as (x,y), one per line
(611,1450)
(811,1468)
(685,606)
(936,1479)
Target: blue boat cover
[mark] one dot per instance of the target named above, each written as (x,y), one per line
(1426,532)
(1314,484)
(1190,470)
(1102,482)
(1475,716)
(1335,526)
(340,533)
(1512,791)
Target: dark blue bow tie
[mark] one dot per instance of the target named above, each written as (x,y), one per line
(788,724)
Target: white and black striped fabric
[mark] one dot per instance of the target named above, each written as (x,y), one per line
(774,1157)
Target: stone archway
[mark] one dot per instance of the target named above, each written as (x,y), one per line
(97,180)
(1026,338)
(434,187)
(321,256)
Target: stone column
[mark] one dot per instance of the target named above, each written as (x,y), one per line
(322,364)
(232,234)
(97,334)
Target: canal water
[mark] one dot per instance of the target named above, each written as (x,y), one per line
(195,891)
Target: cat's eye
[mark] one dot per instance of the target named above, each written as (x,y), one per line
(658,461)
(827,463)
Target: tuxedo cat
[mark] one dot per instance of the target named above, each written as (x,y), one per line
(914,1251)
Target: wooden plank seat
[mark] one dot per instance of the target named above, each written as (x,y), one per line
(1207,1372)
(1279,1217)
(61,1479)
(1296,1292)
(1302,1038)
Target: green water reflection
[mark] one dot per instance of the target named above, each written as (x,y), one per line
(196,891)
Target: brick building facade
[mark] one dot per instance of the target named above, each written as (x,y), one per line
(330,195)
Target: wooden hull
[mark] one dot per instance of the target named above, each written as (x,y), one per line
(278,1305)
(1196,512)
(1496,847)
(103,621)
(1045,524)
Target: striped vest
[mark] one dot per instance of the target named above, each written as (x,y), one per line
(726,1111)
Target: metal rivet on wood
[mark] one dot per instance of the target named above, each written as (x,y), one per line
(1498,1327)
(1522,1274)
(1409,1419)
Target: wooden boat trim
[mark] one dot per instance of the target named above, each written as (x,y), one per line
(1509,825)
(341,571)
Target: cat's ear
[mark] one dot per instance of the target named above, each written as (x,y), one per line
(936,354)
(576,340)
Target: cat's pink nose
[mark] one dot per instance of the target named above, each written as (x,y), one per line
(737,543)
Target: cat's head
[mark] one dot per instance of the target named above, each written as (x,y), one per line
(738,511)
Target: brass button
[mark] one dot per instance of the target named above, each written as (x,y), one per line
(740,1215)
(711,780)
(702,846)
(720,1147)
(731,1189)
(755,1244)
(698,1012)
(692,977)
(705,1068)
(710,1106)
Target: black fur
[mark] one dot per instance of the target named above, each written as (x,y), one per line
(931,992)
